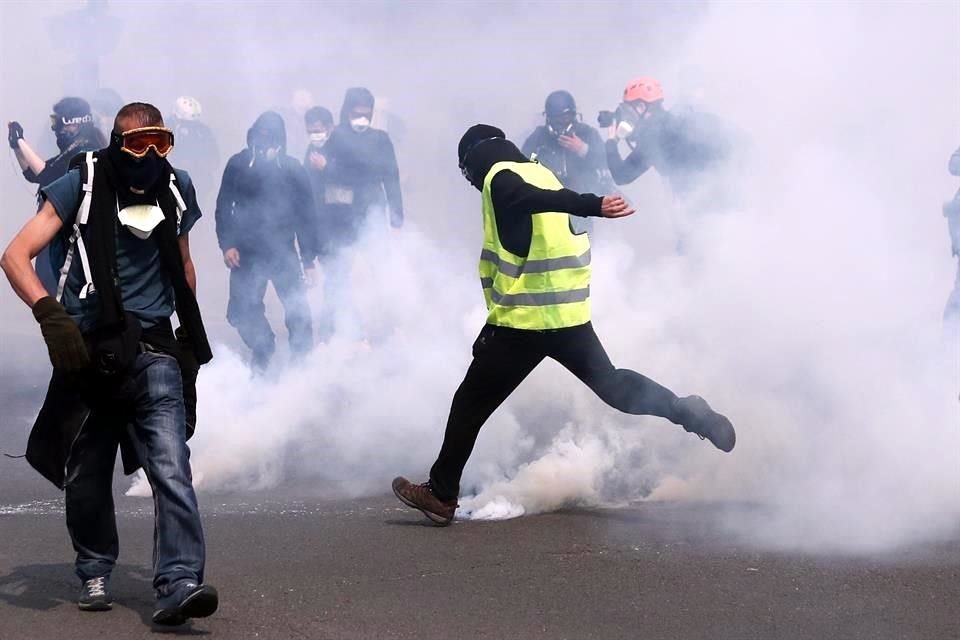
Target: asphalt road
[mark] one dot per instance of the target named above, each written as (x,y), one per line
(304,567)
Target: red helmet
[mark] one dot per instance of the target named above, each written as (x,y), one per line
(645,88)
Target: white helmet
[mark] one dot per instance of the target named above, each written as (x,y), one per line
(188,108)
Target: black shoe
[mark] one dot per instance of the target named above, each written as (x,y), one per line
(187,600)
(95,595)
(700,419)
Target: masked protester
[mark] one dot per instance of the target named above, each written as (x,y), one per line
(73,125)
(571,149)
(680,148)
(197,151)
(363,177)
(121,376)
(535,275)
(951,210)
(265,211)
(336,224)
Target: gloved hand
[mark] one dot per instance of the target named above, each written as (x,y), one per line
(68,351)
(14,134)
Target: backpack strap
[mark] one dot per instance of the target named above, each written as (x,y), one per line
(181,205)
(75,242)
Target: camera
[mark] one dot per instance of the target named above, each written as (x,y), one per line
(606,118)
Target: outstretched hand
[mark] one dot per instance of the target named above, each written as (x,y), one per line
(615,207)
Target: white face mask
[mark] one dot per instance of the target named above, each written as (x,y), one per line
(141,219)
(360,124)
(318,138)
(272,153)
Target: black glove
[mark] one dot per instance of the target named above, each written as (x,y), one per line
(68,351)
(14,134)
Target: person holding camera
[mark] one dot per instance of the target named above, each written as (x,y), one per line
(571,149)
(121,376)
(680,147)
(73,125)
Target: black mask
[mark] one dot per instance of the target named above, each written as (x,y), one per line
(142,174)
(64,138)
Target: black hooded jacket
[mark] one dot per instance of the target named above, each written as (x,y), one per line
(363,164)
(265,205)
(515,200)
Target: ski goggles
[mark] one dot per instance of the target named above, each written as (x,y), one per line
(138,142)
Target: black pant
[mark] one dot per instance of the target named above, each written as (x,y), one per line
(246,311)
(503,357)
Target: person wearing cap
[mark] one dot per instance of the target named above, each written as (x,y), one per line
(680,147)
(570,148)
(121,375)
(535,276)
(75,130)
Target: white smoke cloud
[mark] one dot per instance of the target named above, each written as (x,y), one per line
(809,311)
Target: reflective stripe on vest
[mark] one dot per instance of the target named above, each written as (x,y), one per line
(550,287)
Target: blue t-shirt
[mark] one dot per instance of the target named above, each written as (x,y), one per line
(145,289)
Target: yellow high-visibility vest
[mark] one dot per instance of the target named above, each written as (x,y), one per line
(550,287)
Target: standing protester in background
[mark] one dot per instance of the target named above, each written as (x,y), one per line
(336,226)
(73,125)
(104,103)
(363,173)
(680,148)
(535,274)
(571,149)
(197,151)
(120,373)
(951,314)
(265,210)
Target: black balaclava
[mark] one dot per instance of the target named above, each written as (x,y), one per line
(268,132)
(143,174)
(69,111)
(355,97)
(483,146)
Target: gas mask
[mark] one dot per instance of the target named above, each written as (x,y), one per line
(360,123)
(140,219)
(558,129)
(628,118)
(318,139)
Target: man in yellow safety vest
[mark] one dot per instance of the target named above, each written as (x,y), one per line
(535,274)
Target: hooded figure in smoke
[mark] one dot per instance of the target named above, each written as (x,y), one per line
(76,131)
(265,212)
(535,273)
(363,178)
(197,151)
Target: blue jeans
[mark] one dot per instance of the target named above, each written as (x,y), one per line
(150,414)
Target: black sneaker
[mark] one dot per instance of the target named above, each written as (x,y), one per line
(700,419)
(187,600)
(95,595)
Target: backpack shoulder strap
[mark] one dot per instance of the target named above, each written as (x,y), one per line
(75,241)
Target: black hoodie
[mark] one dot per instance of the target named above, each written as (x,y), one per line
(363,164)
(265,205)
(514,199)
